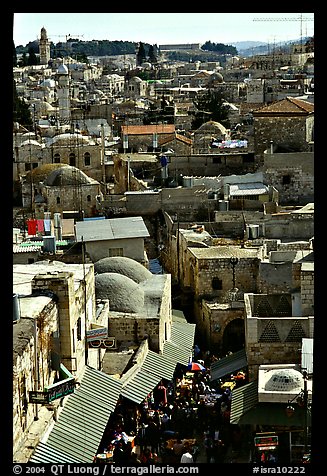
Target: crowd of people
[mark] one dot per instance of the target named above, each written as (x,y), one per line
(176,419)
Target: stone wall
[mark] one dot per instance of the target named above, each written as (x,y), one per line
(292,174)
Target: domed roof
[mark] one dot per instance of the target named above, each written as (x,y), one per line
(62,69)
(40,173)
(217,77)
(68,138)
(124,266)
(284,380)
(48,83)
(123,293)
(29,142)
(212,127)
(67,175)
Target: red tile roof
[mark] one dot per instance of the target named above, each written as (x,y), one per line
(150,129)
(287,106)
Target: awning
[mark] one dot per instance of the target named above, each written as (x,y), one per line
(244,398)
(47,454)
(180,346)
(246,410)
(156,366)
(82,421)
(228,365)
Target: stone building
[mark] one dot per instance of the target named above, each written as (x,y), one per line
(141,138)
(59,187)
(68,148)
(292,174)
(53,310)
(114,237)
(140,302)
(287,124)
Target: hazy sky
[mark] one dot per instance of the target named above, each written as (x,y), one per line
(163,28)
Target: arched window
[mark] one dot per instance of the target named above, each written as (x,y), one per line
(56,159)
(88,198)
(58,200)
(87,158)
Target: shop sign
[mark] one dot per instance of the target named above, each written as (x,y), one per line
(266,441)
(61,389)
(97,333)
(38,397)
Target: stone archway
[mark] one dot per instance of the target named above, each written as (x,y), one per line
(234,336)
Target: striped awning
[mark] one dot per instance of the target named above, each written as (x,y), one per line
(156,366)
(82,421)
(228,364)
(247,410)
(47,454)
(244,398)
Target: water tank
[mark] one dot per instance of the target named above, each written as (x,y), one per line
(57,219)
(223,205)
(16,308)
(49,244)
(253,232)
(188,181)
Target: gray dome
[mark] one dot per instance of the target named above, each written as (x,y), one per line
(123,293)
(212,127)
(284,380)
(123,265)
(67,175)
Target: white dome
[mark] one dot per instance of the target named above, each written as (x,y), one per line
(62,69)
(284,380)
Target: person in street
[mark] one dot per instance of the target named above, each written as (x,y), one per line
(187,455)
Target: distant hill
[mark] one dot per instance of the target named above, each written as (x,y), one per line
(251,48)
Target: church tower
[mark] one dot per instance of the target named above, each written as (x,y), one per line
(44,47)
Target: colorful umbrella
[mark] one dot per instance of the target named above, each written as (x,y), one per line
(195,366)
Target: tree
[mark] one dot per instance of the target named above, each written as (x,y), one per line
(140,55)
(14,55)
(21,112)
(32,58)
(210,106)
(152,55)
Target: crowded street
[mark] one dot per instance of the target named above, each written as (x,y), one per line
(182,420)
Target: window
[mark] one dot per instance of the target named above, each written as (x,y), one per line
(88,198)
(56,158)
(286,179)
(87,159)
(216,283)
(58,200)
(27,166)
(72,159)
(116,252)
(216,160)
(79,329)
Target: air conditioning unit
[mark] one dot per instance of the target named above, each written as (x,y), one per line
(106,343)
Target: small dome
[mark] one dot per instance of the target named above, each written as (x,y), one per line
(123,265)
(216,77)
(123,293)
(212,127)
(284,380)
(67,175)
(62,69)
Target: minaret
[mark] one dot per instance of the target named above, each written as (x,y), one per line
(44,47)
(63,93)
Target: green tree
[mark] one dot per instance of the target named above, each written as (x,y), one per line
(152,55)
(32,58)
(21,112)
(210,106)
(140,55)
(14,55)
